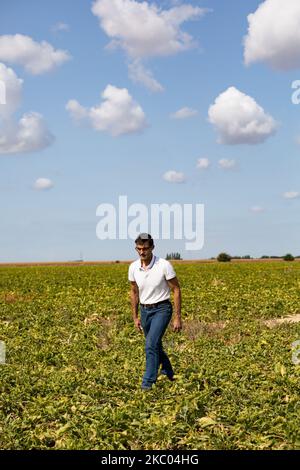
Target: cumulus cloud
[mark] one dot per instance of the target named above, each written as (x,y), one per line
(30,133)
(274,35)
(37,58)
(203,163)
(184,113)
(144,30)
(227,164)
(239,119)
(257,209)
(13,91)
(2,93)
(291,194)
(76,111)
(41,184)
(139,74)
(118,113)
(174,177)
(60,26)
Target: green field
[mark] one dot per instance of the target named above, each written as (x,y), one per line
(75,362)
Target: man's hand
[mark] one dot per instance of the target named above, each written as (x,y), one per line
(177,324)
(137,324)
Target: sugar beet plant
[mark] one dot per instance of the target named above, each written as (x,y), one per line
(74,362)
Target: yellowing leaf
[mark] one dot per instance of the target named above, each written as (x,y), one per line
(63,429)
(206,421)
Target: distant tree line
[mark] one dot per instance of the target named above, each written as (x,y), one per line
(287,257)
(225,257)
(173,256)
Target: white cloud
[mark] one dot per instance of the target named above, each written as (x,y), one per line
(227,164)
(203,163)
(2,93)
(184,113)
(174,177)
(274,35)
(42,184)
(30,133)
(291,194)
(77,112)
(257,209)
(13,91)
(118,113)
(60,26)
(239,119)
(143,29)
(139,74)
(37,58)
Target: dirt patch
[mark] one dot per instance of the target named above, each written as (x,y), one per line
(13,297)
(195,328)
(281,321)
(217,282)
(106,329)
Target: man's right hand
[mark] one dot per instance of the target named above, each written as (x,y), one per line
(137,324)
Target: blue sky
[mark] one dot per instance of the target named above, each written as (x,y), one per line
(80,150)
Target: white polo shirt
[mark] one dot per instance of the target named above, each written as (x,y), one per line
(152,281)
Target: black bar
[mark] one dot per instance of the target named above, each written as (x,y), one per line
(136,459)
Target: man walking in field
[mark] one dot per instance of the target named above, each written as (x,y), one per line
(151,279)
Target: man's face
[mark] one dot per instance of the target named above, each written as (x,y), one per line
(144,251)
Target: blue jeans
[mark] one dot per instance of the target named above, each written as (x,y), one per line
(154,322)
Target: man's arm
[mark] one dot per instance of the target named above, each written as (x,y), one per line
(175,287)
(134,298)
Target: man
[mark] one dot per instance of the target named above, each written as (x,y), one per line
(151,279)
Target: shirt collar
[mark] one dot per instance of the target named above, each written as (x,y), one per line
(149,265)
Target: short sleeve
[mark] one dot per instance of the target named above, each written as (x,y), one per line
(169,271)
(131,273)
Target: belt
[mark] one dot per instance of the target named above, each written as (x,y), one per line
(155,305)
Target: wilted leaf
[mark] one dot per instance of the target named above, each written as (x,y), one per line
(206,421)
